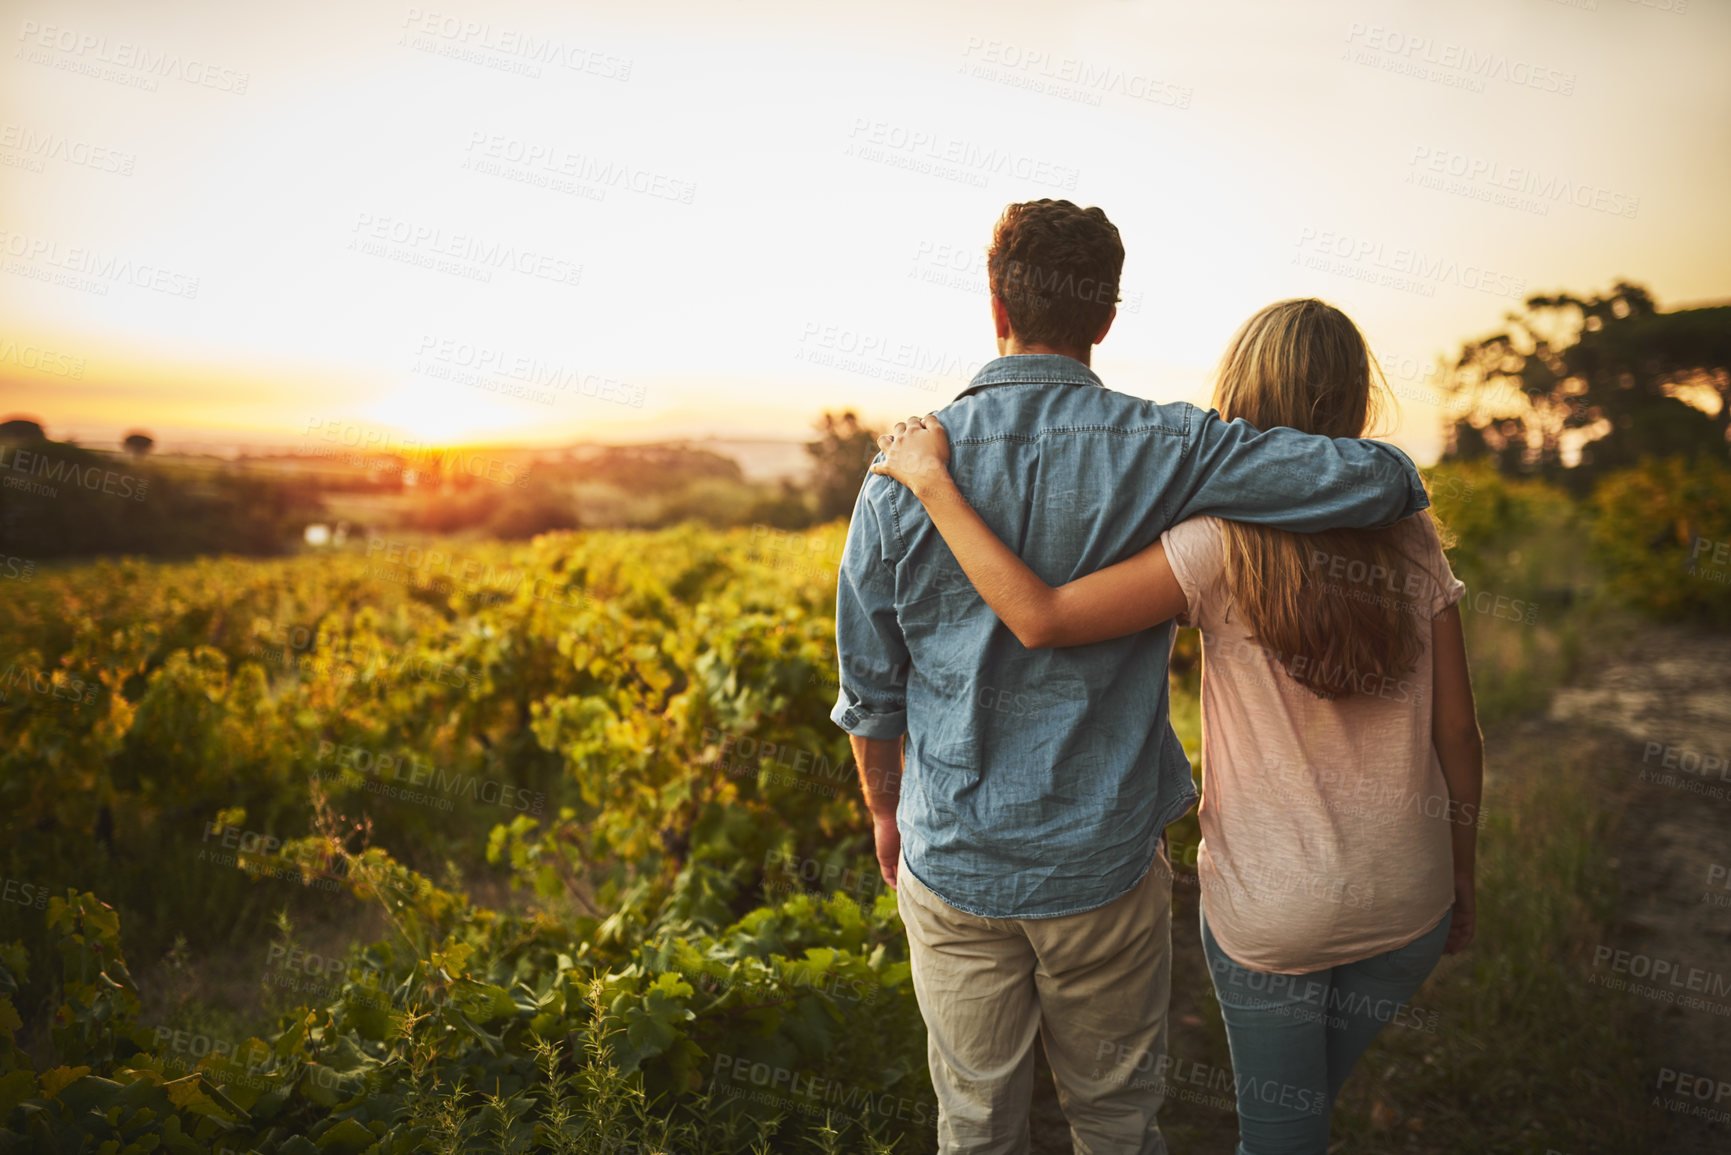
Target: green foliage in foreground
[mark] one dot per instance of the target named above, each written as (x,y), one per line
(498,1034)
(639,721)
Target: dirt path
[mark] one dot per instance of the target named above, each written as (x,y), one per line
(1669,699)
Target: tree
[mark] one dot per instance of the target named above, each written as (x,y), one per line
(841,458)
(138,444)
(21,429)
(1610,377)
(82,503)
(540,510)
(788,509)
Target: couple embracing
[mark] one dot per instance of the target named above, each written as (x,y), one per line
(1008,595)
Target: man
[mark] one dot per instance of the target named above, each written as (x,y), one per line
(1024,833)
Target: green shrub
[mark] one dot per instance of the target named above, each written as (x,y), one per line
(1532,595)
(1662,530)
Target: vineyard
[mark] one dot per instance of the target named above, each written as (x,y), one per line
(636,727)
(572,813)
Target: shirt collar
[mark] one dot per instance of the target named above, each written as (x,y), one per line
(1031,369)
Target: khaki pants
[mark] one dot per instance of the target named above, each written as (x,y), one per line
(1094,986)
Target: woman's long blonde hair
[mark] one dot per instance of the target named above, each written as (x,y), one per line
(1303,364)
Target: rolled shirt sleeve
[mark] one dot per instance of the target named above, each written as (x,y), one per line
(1302,482)
(871,652)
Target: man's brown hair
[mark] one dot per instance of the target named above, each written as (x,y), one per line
(1056,268)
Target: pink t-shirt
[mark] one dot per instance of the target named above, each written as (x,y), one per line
(1325,823)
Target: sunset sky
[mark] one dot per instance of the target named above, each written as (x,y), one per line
(228,223)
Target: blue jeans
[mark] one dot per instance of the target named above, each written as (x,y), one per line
(1295,1038)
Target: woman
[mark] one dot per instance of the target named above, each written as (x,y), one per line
(1341,753)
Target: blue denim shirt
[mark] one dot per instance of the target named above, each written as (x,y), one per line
(1038,782)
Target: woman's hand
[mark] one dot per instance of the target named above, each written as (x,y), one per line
(917,454)
(1465,915)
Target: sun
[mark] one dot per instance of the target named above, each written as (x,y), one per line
(442,413)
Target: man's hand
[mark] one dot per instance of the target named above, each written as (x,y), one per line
(880,778)
(1465,916)
(888,837)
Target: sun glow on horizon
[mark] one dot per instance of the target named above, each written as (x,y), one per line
(444,413)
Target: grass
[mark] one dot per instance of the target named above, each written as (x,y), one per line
(1522,1059)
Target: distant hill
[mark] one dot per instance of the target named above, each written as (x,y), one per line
(762,460)
(765,460)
